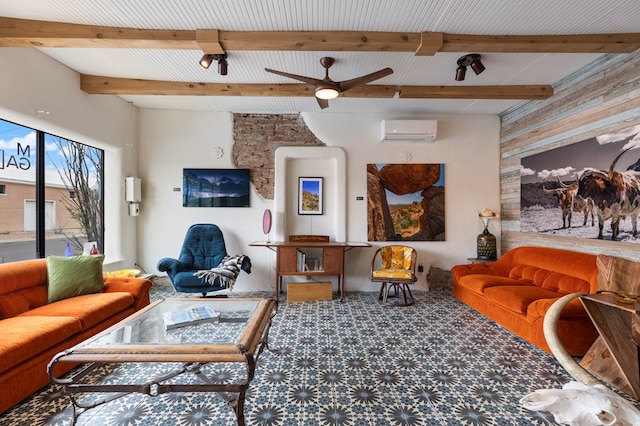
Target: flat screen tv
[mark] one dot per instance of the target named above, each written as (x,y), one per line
(215,188)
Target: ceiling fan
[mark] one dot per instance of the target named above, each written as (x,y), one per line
(326,88)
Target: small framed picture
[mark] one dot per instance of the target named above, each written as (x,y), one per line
(310,195)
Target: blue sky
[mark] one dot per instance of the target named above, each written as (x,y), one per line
(18,153)
(567,161)
(312,186)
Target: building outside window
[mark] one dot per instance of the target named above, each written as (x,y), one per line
(53,194)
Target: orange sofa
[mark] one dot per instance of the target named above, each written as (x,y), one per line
(32,331)
(517,290)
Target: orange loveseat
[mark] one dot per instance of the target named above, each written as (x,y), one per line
(517,290)
(32,331)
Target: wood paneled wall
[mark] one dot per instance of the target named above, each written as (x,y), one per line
(603,97)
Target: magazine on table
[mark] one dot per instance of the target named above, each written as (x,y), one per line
(193,316)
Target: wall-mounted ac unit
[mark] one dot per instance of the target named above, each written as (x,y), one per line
(409,130)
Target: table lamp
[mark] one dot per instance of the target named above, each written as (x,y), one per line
(486,241)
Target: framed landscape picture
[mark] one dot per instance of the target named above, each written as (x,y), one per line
(310,195)
(215,188)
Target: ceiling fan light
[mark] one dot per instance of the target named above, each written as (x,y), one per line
(461,72)
(324,92)
(206,60)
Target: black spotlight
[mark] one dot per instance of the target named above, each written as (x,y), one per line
(206,60)
(460,72)
(222,64)
(476,65)
(472,60)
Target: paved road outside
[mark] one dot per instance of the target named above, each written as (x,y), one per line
(11,251)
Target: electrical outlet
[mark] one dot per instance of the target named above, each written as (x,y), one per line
(420,268)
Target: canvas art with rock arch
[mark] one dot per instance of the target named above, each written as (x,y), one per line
(405,202)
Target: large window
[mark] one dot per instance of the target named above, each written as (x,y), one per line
(52,201)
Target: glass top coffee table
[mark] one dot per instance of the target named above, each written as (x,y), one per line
(239,335)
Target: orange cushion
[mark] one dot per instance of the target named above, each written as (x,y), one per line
(90,309)
(518,298)
(23,337)
(538,309)
(529,273)
(392,273)
(478,283)
(12,304)
(565,284)
(22,274)
(396,257)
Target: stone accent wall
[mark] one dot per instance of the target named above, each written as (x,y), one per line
(256,138)
(439,278)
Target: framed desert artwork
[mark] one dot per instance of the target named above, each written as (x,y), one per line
(310,195)
(405,202)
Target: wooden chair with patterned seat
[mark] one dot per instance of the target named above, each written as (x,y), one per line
(394,266)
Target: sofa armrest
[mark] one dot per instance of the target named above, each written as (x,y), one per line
(171,266)
(138,287)
(459,271)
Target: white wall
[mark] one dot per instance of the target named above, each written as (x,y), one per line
(169,142)
(173,140)
(328,163)
(31,81)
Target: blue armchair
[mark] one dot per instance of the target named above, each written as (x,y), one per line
(203,249)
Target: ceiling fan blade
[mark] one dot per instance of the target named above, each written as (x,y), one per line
(324,103)
(309,80)
(359,81)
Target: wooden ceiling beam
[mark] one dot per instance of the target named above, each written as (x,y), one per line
(476,92)
(334,41)
(31,33)
(94,84)
(585,43)
(209,42)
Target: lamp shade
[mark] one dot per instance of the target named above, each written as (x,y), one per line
(487,213)
(326,92)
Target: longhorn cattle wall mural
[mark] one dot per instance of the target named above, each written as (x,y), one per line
(590,189)
(405,202)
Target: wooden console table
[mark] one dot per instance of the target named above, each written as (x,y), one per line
(327,258)
(614,355)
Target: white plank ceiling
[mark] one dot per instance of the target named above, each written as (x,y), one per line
(473,17)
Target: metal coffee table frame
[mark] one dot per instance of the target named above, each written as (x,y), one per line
(246,350)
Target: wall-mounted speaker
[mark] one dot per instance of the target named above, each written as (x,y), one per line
(132,189)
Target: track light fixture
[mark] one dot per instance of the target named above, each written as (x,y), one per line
(472,60)
(207,59)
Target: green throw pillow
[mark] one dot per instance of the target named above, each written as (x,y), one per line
(74,276)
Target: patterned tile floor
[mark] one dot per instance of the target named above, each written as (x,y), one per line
(353,363)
